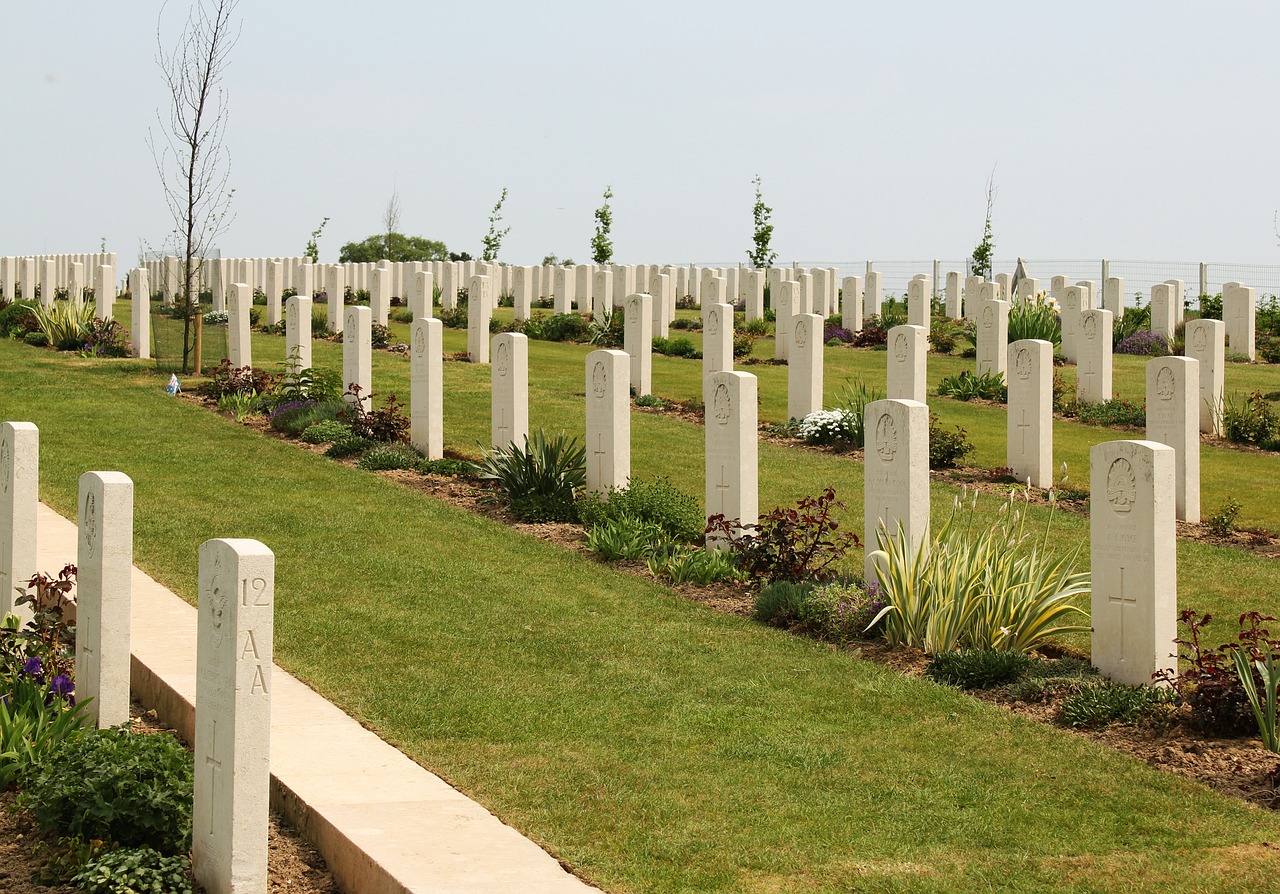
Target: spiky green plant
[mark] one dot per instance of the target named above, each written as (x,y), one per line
(64,324)
(540,478)
(993,588)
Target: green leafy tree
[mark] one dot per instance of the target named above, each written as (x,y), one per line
(601,244)
(392,247)
(493,241)
(982,254)
(313,244)
(761,256)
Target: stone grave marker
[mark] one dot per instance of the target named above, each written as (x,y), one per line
(564,283)
(732,445)
(297,332)
(273,288)
(233,716)
(1133,546)
(1093,369)
(421,303)
(426,387)
(1163,311)
(357,354)
(239,345)
(509,379)
(851,303)
(1173,419)
(335,283)
(479,310)
(19,495)
(896,473)
(1073,303)
(582,288)
(804,366)
(753,294)
(873,293)
(1206,344)
(1239,307)
(717,343)
(522,292)
(908,351)
(660,292)
(1030,411)
(104,594)
(919,299)
(602,293)
(608,444)
(955,304)
(993,335)
(104,290)
(1113,296)
(785,299)
(972,296)
(140,332)
(637,340)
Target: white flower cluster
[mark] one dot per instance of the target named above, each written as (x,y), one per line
(825,426)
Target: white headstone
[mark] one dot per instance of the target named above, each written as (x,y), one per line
(1173,390)
(1073,303)
(1093,365)
(955,303)
(274,289)
(19,495)
(426,387)
(522,292)
(908,350)
(1206,344)
(1030,414)
(422,288)
(479,310)
(380,295)
(48,284)
(1028,288)
(1133,546)
(804,366)
(1163,311)
(104,291)
(972,296)
(873,294)
(608,446)
(1056,286)
(140,330)
(993,336)
(663,303)
(104,593)
(75,284)
(1113,296)
(335,283)
(582,287)
(563,290)
(509,379)
(602,292)
(239,345)
(637,340)
(297,331)
(896,473)
(1178,289)
(1239,305)
(919,301)
(449,286)
(753,294)
(851,303)
(717,343)
(217,283)
(732,450)
(233,716)
(357,353)
(785,297)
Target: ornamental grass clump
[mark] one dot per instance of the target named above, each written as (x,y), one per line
(978,586)
(1035,318)
(540,479)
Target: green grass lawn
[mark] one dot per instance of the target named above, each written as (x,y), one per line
(650,743)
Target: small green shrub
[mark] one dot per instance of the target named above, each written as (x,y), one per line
(387,424)
(844,612)
(133,871)
(977,668)
(1111,412)
(541,479)
(64,324)
(676,347)
(348,445)
(946,448)
(743,344)
(968,385)
(1103,703)
(36,339)
(1035,318)
(382,457)
(404,315)
(325,432)
(1269,349)
(656,501)
(803,543)
(691,565)
(1251,420)
(564,327)
(1223,522)
(295,417)
(944,335)
(624,538)
(114,785)
(17,319)
(650,400)
(451,467)
(779,604)
(758,328)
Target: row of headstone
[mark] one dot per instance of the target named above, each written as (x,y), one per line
(233,652)
(21,277)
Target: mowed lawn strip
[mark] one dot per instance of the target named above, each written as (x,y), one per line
(652,744)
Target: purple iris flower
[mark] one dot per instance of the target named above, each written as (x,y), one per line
(33,667)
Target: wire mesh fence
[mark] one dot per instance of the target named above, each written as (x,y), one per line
(173,339)
(1138,276)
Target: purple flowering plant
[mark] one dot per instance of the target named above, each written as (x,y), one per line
(843,612)
(37,660)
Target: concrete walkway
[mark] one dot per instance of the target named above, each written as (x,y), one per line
(384,824)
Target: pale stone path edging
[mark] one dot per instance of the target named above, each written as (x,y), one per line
(384,824)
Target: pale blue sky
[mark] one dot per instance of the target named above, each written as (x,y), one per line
(1123,129)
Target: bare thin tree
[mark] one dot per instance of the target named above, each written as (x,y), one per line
(391,214)
(190,154)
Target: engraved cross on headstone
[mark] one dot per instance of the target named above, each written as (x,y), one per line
(1023,426)
(1124,602)
(722,490)
(504,429)
(599,453)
